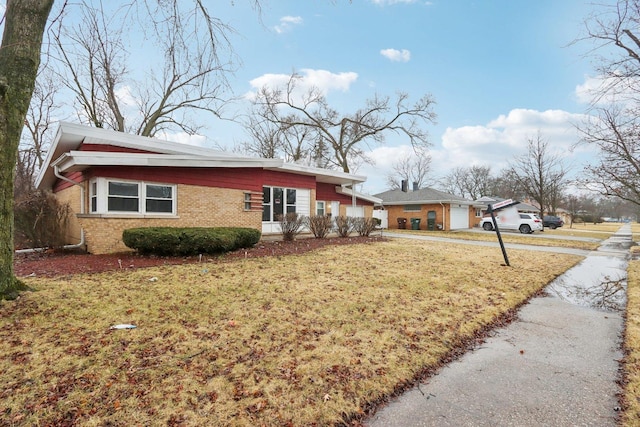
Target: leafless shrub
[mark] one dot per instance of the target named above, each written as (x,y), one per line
(291,225)
(344,225)
(365,226)
(41,220)
(320,225)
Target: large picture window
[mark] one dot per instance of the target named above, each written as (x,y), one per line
(111,196)
(277,201)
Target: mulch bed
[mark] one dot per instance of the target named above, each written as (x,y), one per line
(58,263)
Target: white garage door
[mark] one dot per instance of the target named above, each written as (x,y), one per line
(459,217)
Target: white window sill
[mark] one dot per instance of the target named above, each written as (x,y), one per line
(129,215)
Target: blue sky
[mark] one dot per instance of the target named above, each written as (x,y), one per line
(499,70)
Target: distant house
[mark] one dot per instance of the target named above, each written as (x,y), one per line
(434,209)
(114,181)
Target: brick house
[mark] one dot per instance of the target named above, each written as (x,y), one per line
(113,181)
(434,209)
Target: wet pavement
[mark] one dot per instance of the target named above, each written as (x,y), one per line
(557,365)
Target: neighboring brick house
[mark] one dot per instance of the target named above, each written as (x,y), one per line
(113,181)
(435,209)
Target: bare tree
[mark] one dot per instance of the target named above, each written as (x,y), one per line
(472,182)
(414,168)
(347,135)
(540,174)
(614,127)
(270,138)
(191,77)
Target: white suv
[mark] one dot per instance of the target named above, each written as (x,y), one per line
(524,222)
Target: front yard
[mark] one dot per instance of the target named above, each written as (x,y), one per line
(311,339)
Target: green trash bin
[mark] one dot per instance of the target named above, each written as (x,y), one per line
(415,223)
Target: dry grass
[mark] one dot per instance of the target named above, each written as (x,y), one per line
(511,238)
(312,339)
(631,394)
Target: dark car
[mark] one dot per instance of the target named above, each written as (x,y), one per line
(552,222)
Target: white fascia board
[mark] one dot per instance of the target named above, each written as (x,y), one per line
(349,192)
(323,175)
(78,160)
(429,202)
(92,135)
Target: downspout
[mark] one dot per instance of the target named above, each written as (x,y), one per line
(353,194)
(57,173)
(444,217)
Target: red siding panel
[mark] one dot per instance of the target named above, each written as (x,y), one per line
(111,149)
(291,180)
(61,184)
(327,192)
(235,178)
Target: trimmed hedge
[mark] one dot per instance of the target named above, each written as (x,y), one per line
(189,240)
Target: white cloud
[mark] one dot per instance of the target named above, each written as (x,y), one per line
(287,23)
(323,80)
(591,91)
(396,55)
(183,138)
(494,144)
(505,137)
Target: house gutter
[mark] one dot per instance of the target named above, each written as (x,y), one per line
(56,172)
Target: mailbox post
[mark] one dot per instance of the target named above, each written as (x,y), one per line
(495,207)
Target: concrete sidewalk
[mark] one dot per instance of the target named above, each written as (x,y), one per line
(556,365)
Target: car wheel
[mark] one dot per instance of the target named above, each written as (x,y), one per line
(525,229)
(487,226)
(553,226)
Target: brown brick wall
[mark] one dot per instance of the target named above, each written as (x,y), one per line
(396,212)
(196,207)
(71,196)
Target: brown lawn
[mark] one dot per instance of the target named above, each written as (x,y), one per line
(311,339)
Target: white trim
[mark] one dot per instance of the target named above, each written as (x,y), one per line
(102,189)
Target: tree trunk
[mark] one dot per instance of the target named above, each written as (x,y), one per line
(25,22)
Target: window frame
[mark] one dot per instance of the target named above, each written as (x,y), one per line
(99,193)
(405,208)
(286,193)
(321,211)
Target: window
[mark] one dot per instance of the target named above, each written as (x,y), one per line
(247,201)
(478,212)
(277,201)
(107,196)
(320,209)
(159,198)
(123,197)
(412,208)
(93,195)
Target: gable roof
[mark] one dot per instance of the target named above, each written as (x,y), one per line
(65,156)
(421,196)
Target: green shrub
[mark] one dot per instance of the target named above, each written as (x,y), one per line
(190,240)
